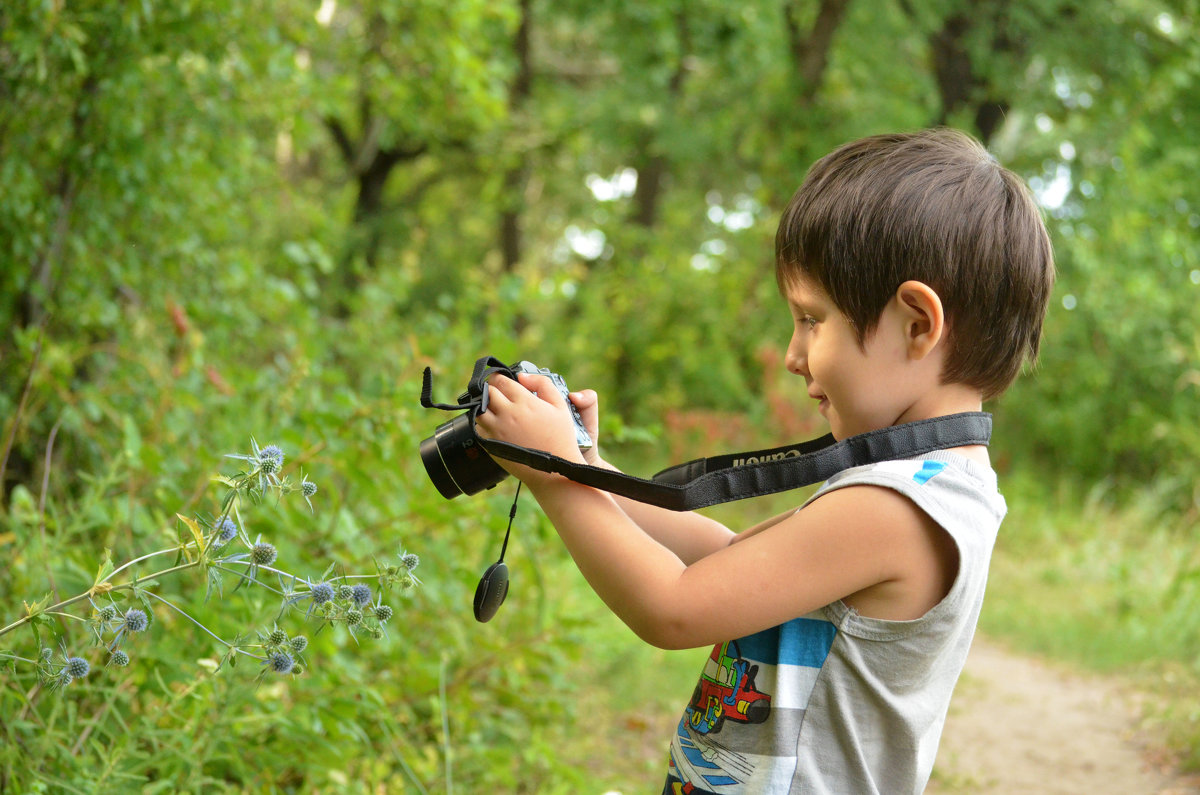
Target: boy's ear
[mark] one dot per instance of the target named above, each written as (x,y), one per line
(923,317)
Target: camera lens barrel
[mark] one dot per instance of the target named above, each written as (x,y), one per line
(456,462)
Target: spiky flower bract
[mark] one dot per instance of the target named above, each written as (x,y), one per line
(136,620)
(77,667)
(263,554)
(322,592)
(281,662)
(361,595)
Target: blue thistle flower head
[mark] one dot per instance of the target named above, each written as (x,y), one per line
(263,554)
(410,560)
(119,658)
(321,592)
(281,662)
(361,595)
(270,460)
(76,667)
(136,620)
(227,531)
(270,451)
(308,488)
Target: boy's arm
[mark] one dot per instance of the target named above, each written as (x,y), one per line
(849,541)
(688,534)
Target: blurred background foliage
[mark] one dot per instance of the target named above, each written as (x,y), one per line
(222,219)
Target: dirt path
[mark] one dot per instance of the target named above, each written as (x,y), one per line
(1018,725)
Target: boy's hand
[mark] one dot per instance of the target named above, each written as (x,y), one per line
(538,421)
(587,402)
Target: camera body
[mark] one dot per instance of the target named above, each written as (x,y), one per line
(455,460)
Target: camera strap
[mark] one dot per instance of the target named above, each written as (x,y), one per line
(733,476)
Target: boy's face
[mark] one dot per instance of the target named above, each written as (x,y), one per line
(858,389)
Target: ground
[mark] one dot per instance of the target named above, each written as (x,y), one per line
(1019,724)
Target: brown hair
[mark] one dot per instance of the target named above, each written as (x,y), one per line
(936,207)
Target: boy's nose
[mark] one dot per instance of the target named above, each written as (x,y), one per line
(796,359)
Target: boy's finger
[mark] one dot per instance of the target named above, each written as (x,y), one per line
(584,399)
(502,388)
(543,386)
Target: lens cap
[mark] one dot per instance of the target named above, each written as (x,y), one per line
(493,587)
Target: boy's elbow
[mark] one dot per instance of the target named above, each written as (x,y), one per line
(665,632)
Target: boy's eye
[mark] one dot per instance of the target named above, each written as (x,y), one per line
(808,320)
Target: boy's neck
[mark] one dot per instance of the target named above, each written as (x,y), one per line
(943,400)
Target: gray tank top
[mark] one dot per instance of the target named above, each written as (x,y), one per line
(835,702)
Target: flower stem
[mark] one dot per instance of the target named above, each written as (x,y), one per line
(185,614)
(53,609)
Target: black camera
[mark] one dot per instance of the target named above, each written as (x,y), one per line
(456,461)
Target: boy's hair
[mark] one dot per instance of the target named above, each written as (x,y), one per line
(936,207)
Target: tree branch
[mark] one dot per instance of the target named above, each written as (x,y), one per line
(810,49)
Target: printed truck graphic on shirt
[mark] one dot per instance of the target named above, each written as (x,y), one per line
(751,693)
(726,690)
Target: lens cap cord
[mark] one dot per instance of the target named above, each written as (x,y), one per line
(493,585)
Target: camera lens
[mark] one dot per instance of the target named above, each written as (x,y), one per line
(456,462)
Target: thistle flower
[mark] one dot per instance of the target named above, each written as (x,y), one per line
(276,637)
(270,459)
(281,662)
(135,620)
(226,532)
(307,490)
(108,613)
(321,592)
(76,667)
(271,451)
(361,595)
(119,658)
(263,554)
(298,643)
(354,617)
(410,560)
(383,612)
(345,592)
(47,653)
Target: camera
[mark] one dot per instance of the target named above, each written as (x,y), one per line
(456,461)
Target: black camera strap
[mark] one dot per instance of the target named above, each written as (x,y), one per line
(733,476)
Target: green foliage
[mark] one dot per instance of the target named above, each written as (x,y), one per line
(224,217)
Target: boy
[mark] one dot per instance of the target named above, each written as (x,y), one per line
(917,271)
